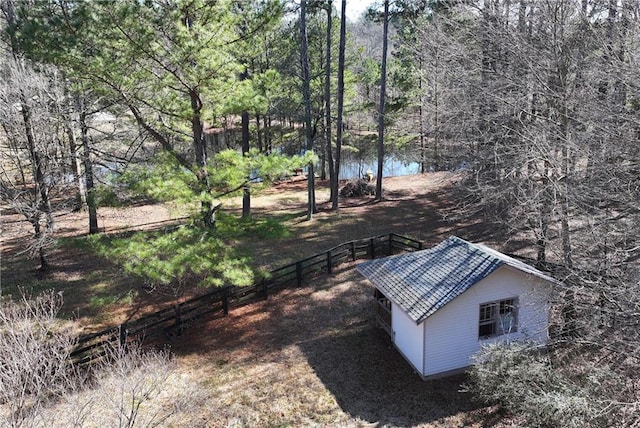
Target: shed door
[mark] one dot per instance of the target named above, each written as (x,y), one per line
(383,312)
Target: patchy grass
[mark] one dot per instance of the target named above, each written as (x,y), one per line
(309,356)
(276,234)
(109,299)
(89,270)
(80,275)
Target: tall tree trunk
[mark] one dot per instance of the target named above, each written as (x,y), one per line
(88,166)
(306,94)
(76,169)
(42,202)
(423,148)
(208,209)
(323,160)
(487,104)
(381,107)
(41,194)
(340,117)
(267,133)
(327,103)
(544,213)
(259,134)
(436,112)
(565,230)
(246,191)
(565,169)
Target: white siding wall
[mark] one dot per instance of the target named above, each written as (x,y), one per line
(451,334)
(408,337)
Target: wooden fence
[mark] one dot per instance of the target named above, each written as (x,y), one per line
(171,321)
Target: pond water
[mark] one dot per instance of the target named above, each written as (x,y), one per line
(350,168)
(392,167)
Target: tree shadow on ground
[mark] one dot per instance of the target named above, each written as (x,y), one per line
(332,325)
(372,382)
(94,286)
(429,216)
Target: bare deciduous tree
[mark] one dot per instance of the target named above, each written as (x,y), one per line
(33,175)
(34,351)
(40,388)
(128,381)
(550,118)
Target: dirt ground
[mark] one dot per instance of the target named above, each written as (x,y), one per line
(421,206)
(306,357)
(426,207)
(99,294)
(312,356)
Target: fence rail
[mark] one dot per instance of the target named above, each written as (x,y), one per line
(171,321)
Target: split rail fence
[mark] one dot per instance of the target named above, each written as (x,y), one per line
(171,321)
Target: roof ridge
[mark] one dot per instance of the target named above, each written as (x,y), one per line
(509,261)
(421,282)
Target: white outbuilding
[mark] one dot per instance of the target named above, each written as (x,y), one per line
(442,304)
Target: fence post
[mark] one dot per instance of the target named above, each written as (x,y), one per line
(298,274)
(372,248)
(329,261)
(225,300)
(179,321)
(353,250)
(123,335)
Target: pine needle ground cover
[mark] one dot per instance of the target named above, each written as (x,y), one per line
(312,356)
(308,356)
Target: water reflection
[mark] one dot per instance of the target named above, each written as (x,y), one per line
(392,167)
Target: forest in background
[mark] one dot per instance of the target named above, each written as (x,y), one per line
(537,102)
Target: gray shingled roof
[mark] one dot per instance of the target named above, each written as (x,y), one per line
(424,281)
